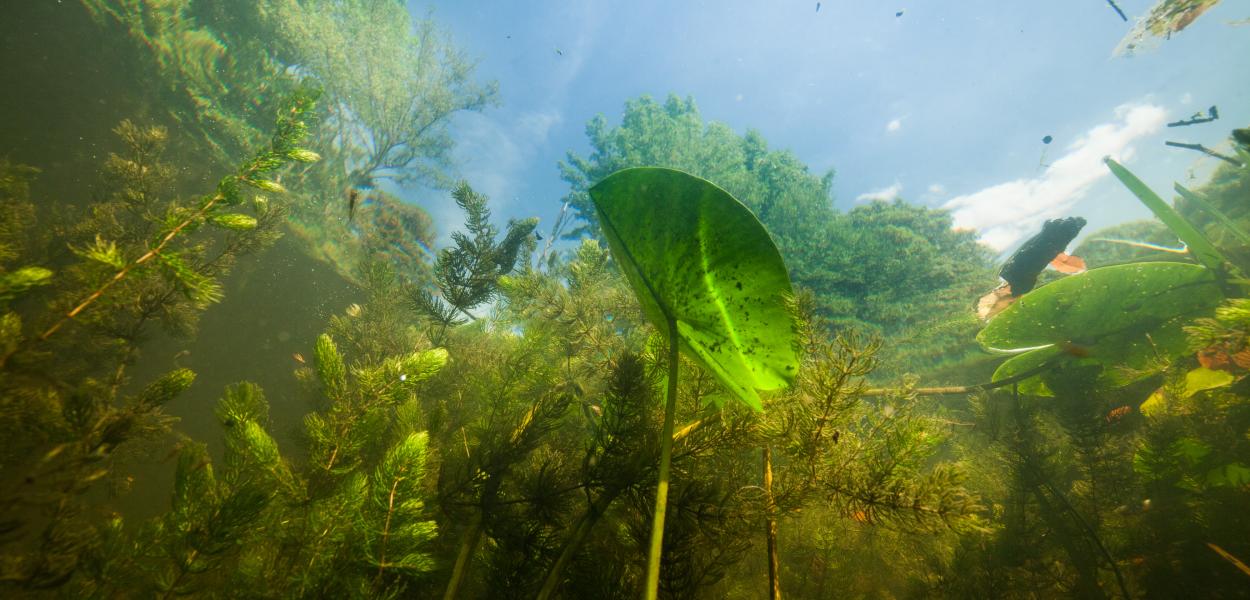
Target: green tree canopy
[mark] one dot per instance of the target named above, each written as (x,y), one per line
(895,269)
(391,83)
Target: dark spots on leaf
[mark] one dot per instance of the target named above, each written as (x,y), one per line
(738,285)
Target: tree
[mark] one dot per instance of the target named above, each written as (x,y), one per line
(391,85)
(893,269)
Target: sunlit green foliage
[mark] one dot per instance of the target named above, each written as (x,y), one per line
(349,520)
(1127,490)
(140,258)
(1117,323)
(891,268)
(392,82)
(467,275)
(513,462)
(704,268)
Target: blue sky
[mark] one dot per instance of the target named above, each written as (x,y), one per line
(945,105)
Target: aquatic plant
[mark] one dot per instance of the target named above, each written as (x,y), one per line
(214,60)
(384,228)
(501,401)
(210,209)
(349,519)
(1108,337)
(1165,18)
(1118,324)
(218,90)
(894,269)
(1202,250)
(467,275)
(1117,321)
(145,256)
(700,264)
(17,220)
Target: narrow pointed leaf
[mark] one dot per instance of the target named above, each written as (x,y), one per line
(1206,205)
(1199,246)
(234,221)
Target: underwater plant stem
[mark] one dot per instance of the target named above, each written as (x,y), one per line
(1093,534)
(184,568)
(584,525)
(770,529)
(467,546)
(1117,10)
(120,275)
(666,456)
(1230,558)
(960,389)
(386,529)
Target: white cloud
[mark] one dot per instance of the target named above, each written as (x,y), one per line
(894,125)
(884,194)
(1007,212)
(492,153)
(937,189)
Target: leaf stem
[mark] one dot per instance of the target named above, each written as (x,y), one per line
(130,267)
(666,456)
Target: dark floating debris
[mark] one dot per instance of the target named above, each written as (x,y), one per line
(560,52)
(1019,273)
(353,196)
(1117,10)
(817,7)
(1242,136)
(1213,113)
(898,14)
(1047,139)
(1207,151)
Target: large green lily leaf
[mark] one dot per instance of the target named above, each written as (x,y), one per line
(1119,320)
(696,256)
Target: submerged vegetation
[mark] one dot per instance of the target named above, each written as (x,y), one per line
(712,391)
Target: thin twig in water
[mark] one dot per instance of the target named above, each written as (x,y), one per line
(959,389)
(1117,10)
(1207,151)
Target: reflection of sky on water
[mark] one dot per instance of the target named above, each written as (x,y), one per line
(948,101)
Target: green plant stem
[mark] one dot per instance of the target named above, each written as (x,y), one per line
(130,267)
(584,525)
(959,389)
(1201,201)
(666,456)
(1090,531)
(770,529)
(467,546)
